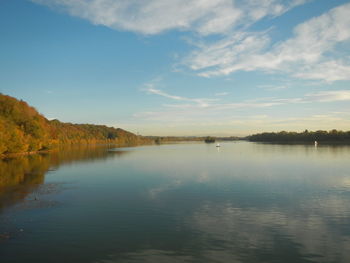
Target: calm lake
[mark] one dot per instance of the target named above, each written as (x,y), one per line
(188,202)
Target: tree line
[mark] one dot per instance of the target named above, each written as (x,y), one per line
(23,129)
(332,136)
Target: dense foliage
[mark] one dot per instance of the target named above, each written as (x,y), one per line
(23,129)
(306,136)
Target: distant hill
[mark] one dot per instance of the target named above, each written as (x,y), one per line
(23,129)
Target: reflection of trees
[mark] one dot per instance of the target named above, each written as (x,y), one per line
(82,153)
(22,175)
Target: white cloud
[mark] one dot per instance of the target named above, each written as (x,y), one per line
(309,54)
(155,16)
(220,58)
(330,71)
(329,96)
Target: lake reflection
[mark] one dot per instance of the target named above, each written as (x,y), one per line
(245,202)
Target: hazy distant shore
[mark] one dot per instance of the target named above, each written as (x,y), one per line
(306,137)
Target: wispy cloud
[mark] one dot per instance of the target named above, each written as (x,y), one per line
(227,55)
(309,54)
(155,16)
(329,96)
(199,102)
(188,110)
(322,96)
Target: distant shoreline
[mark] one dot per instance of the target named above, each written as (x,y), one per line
(329,143)
(324,137)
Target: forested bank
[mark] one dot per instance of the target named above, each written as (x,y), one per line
(333,136)
(23,129)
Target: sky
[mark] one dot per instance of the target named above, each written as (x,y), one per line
(181,67)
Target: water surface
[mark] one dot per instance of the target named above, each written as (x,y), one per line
(193,202)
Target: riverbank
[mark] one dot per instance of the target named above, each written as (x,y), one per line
(24,130)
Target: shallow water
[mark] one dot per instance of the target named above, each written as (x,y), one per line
(191,202)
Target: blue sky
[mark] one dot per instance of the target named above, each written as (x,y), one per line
(181,67)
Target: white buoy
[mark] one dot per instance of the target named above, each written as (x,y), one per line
(316,143)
